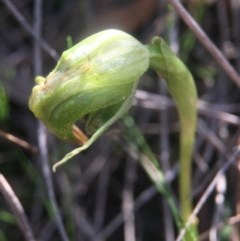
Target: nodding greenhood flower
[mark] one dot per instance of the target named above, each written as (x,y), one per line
(93,81)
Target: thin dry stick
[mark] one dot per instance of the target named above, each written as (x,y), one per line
(208,191)
(219,207)
(204,39)
(128,201)
(212,172)
(231,221)
(100,209)
(165,158)
(42,140)
(99,220)
(157,102)
(222,89)
(48,179)
(210,136)
(102,190)
(164,131)
(235,6)
(18,141)
(37,25)
(17,208)
(19,17)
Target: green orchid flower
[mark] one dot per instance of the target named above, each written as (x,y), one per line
(95,82)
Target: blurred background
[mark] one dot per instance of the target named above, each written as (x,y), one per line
(103,193)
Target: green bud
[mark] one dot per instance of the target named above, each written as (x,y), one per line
(93,81)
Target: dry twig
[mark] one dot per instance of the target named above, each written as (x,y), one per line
(18,141)
(204,39)
(42,140)
(207,192)
(23,22)
(17,209)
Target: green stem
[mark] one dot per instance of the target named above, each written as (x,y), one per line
(182,88)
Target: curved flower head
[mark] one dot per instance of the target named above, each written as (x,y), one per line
(94,81)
